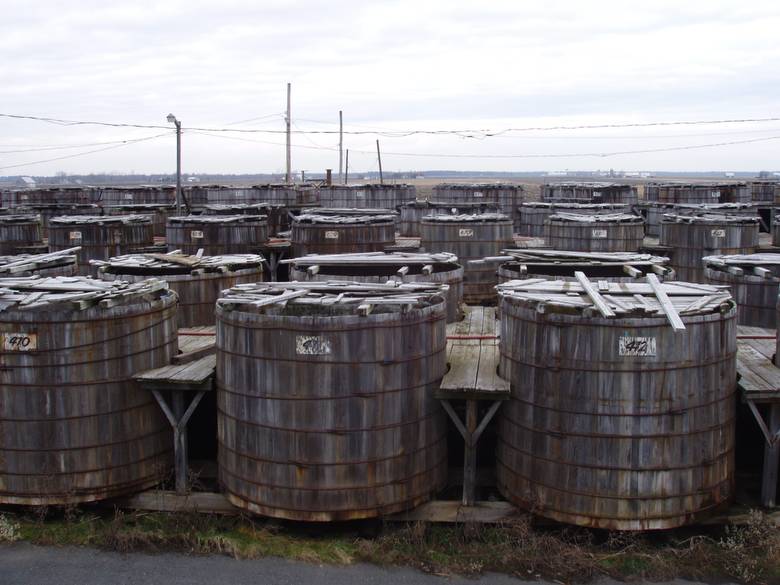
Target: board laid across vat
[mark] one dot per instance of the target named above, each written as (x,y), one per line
(100,237)
(691,238)
(197,280)
(61,263)
(622,413)
(342,231)
(470,237)
(325,398)
(613,232)
(74,426)
(754,282)
(217,234)
(378,267)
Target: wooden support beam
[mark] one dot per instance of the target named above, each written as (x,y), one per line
(771,460)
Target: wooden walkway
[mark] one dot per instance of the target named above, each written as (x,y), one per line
(472,355)
(759,381)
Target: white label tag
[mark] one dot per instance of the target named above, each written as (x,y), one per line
(718,233)
(20,341)
(360,194)
(329,235)
(466,233)
(598,234)
(312,345)
(24,197)
(636,346)
(129,196)
(74,235)
(478,194)
(716,194)
(196,235)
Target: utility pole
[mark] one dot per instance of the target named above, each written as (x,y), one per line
(379,159)
(172,119)
(346,173)
(287,119)
(341,144)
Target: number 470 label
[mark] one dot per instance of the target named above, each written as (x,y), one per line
(19,341)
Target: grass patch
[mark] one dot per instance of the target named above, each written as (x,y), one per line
(749,553)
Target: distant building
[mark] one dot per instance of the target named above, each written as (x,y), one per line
(27,182)
(193,180)
(730,175)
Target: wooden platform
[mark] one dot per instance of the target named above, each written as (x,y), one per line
(472,354)
(194,376)
(195,343)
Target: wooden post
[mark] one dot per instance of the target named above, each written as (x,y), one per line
(379,160)
(470,454)
(179,442)
(771,459)
(287,120)
(346,169)
(341,145)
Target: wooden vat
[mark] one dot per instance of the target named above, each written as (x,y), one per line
(618,232)
(325,402)
(197,281)
(766,192)
(385,196)
(347,232)
(753,280)
(380,267)
(132,195)
(470,237)
(653,212)
(505,195)
(530,217)
(277,215)
(157,212)
(74,427)
(217,234)
(20,233)
(100,237)
(698,192)
(691,238)
(62,263)
(48,210)
(411,213)
(617,422)
(47,196)
(590,192)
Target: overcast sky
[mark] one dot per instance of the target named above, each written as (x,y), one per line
(403,65)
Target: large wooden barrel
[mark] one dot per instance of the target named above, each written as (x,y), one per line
(691,238)
(386,196)
(74,427)
(345,233)
(326,409)
(379,267)
(765,192)
(48,210)
(411,214)
(278,194)
(653,212)
(619,232)
(505,195)
(470,237)
(217,234)
(619,423)
(562,265)
(157,212)
(131,195)
(776,227)
(100,237)
(590,192)
(530,217)
(49,195)
(698,192)
(277,215)
(197,281)
(20,233)
(754,281)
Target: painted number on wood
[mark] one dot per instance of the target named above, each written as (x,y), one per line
(466,233)
(196,235)
(478,194)
(129,196)
(360,193)
(718,233)
(312,345)
(74,235)
(20,341)
(331,235)
(636,346)
(715,194)
(598,233)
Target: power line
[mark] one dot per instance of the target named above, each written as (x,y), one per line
(125,143)
(63,147)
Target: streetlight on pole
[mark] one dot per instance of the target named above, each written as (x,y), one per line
(172,119)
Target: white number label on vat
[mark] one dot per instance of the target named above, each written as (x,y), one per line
(74,235)
(360,194)
(636,346)
(129,196)
(478,194)
(599,234)
(331,235)
(466,233)
(20,341)
(24,197)
(312,345)
(196,235)
(716,194)
(718,233)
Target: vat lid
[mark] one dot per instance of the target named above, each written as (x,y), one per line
(99,219)
(349,297)
(373,258)
(619,299)
(18,218)
(545,256)
(482,186)
(131,206)
(73,292)
(597,218)
(572,205)
(201,219)
(707,218)
(745,264)
(466,217)
(590,184)
(45,206)
(176,263)
(262,206)
(347,211)
(313,218)
(26,262)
